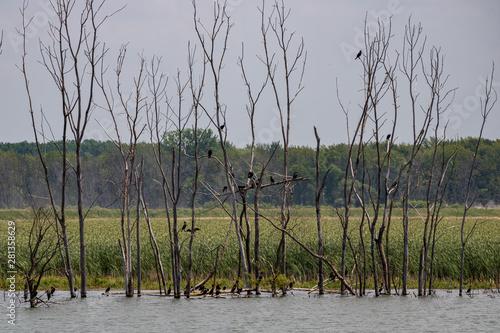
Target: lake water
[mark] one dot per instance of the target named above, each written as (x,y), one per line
(296,312)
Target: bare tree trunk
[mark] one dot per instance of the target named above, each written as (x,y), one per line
(486,106)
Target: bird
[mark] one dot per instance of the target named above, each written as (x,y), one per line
(209,153)
(204,291)
(169,290)
(224,189)
(222,126)
(271,179)
(291,285)
(211,293)
(295,174)
(48,294)
(468,291)
(233,288)
(184,226)
(388,137)
(217,290)
(196,229)
(239,290)
(358,55)
(250,174)
(107,289)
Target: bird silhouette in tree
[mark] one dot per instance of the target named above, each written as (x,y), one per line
(358,55)
(209,153)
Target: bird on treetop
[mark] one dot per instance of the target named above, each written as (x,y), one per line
(209,153)
(271,179)
(358,55)
(222,126)
(388,137)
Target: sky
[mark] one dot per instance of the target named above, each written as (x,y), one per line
(465,31)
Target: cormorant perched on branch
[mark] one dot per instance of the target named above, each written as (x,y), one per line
(224,189)
(222,126)
(184,226)
(271,179)
(233,288)
(209,153)
(169,290)
(106,292)
(217,290)
(250,174)
(295,175)
(358,55)
(388,137)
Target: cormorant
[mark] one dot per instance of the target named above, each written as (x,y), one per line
(169,290)
(250,174)
(107,289)
(209,153)
(295,174)
(468,291)
(358,55)
(233,288)
(222,126)
(204,291)
(224,189)
(196,229)
(271,179)
(211,293)
(217,290)
(48,294)
(184,226)
(239,290)
(291,285)
(388,137)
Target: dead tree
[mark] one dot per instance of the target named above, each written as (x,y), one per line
(133,106)
(289,62)
(317,200)
(72,59)
(207,37)
(487,103)
(41,249)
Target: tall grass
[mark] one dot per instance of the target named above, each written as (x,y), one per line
(104,261)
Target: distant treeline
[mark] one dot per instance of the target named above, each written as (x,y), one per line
(22,179)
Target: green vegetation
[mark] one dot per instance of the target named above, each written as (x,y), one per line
(22,176)
(482,260)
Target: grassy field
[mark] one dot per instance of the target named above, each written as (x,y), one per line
(104,261)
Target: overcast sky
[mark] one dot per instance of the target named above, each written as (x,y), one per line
(466,31)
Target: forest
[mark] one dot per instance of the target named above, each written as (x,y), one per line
(22,179)
(387,198)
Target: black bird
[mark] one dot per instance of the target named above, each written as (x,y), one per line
(189,230)
(250,174)
(239,290)
(358,55)
(209,153)
(388,137)
(184,226)
(295,174)
(211,293)
(52,289)
(291,285)
(48,294)
(169,290)
(233,288)
(107,289)
(222,126)
(271,179)
(224,189)
(204,291)
(468,291)
(196,229)
(217,290)
(224,288)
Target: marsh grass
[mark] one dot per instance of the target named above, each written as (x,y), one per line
(105,267)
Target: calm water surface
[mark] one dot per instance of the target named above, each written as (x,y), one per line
(296,312)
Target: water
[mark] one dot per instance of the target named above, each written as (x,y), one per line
(296,312)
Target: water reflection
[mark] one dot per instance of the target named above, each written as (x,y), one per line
(297,312)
